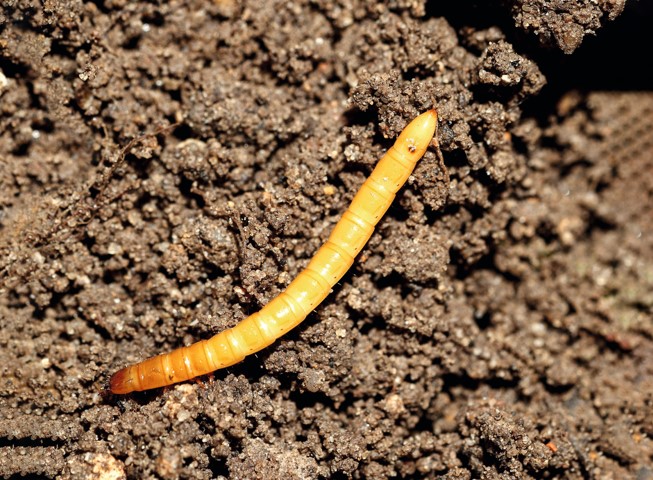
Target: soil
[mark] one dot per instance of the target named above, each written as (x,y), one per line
(167,169)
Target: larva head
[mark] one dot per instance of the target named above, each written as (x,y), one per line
(122,382)
(415,138)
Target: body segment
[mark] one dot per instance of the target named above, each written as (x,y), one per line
(307,290)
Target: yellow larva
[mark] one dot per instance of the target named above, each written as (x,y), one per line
(310,287)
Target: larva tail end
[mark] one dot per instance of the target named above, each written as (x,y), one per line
(416,137)
(427,123)
(121,382)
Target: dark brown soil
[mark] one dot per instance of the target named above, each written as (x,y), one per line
(167,169)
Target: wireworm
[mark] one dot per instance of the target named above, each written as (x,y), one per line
(310,287)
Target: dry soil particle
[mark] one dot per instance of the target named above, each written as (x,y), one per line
(167,170)
(564,23)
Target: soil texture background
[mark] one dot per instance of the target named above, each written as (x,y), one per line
(167,169)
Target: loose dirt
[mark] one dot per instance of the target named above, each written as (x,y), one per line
(168,169)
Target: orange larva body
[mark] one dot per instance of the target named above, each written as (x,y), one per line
(310,287)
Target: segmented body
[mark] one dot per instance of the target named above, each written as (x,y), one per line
(310,287)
